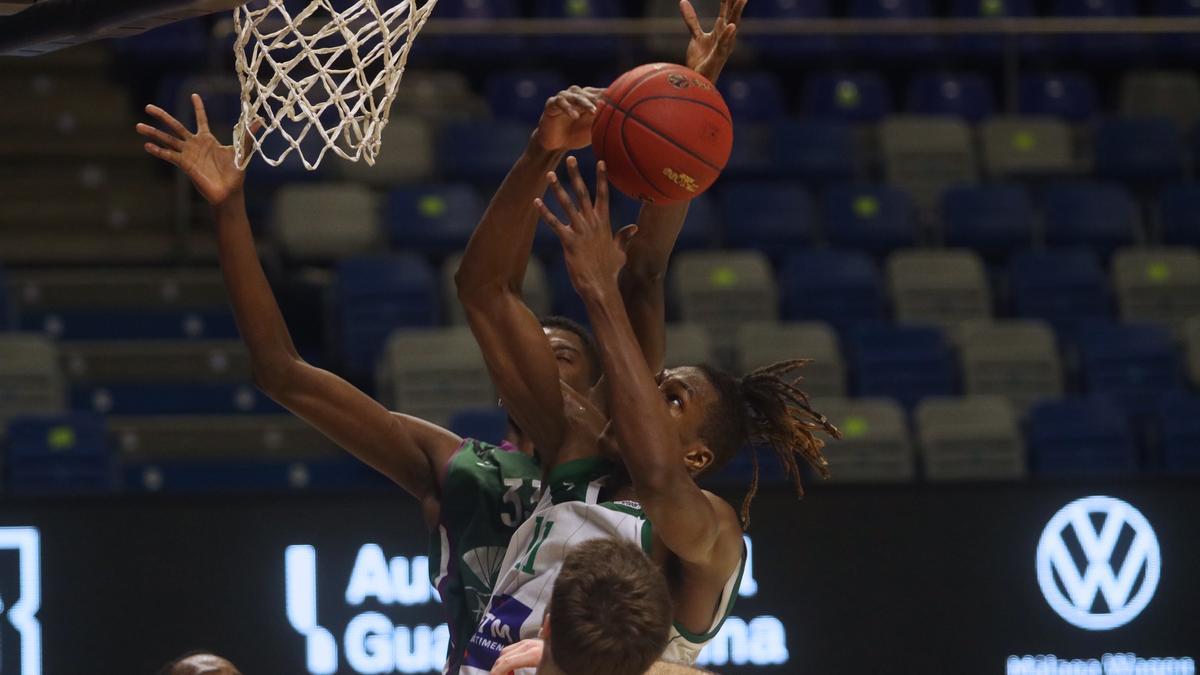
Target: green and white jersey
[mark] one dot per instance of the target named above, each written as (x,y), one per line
(487,492)
(569,513)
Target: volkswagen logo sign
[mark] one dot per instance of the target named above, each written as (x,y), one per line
(1098,563)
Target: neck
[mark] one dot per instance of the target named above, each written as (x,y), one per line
(547,666)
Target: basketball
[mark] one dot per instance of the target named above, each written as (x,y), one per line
(664,131)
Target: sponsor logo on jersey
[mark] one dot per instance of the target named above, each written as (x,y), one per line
(499,628)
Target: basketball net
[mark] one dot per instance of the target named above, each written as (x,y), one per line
(321,79)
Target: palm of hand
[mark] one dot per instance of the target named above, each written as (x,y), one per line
(211,167)
(700,53)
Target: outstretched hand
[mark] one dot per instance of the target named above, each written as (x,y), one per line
(708,52)
(566,122)
(209,165)
(523,654)
(594,255)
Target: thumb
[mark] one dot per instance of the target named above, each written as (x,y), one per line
(624,236)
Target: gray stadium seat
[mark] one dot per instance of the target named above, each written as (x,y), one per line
(943,287)
(973,438)
(1174,94)
(1025,146)
(30,381)
(763,343)
(723,290)
(156,361)
(438,96)
(326,221)
(117,288)
(431,374)
(405,156)
(1191,334)
(536,290)
(1015,359)
(875,446)
(688,344)
(1159,284)
(925,155)
(191,437)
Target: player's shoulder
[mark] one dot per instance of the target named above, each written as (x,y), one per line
(479,458)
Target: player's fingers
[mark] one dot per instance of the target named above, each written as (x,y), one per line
(201,114)
(690,19)
(165,140)
(624,236)
(162,153)
(725,42)
(723,11)
(582,101)
(568,106)
(560,229)
(739,6)
(564,199)
(581,190)
(552,107)
(169,120)
(602,189)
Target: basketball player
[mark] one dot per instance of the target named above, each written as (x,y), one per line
(697,541)
(472,494)
(609,615)
(200,663)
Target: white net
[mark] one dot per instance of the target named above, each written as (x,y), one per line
(320,78)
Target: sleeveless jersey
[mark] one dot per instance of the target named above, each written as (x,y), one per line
(487,492)
(569,513)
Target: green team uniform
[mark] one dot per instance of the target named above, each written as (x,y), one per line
(487,492)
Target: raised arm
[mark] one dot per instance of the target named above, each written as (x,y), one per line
(407,450)
(684,517)
(641,280)
(518,355)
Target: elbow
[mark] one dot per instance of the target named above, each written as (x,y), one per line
(272,378)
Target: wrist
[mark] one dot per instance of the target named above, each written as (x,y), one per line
(538,152)
(234,203)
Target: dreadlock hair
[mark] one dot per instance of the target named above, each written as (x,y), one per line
(591,352)
(765,407)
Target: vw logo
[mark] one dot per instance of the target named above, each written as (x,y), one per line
(1116,560)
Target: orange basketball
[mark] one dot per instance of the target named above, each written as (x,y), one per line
(664,132)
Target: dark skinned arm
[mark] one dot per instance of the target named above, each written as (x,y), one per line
(407,450)
(698,528)
(519,358)
(642,279)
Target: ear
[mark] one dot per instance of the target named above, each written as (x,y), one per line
(698,458)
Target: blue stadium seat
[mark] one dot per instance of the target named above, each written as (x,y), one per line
(521,96)
(790,46)
(875,218)
(815,151)
(481,150)
(1071,96)
(966,95)
(703,224)
(1178,44)
(59,454)
(904,362)
(203,398)
(1064,287)
(995,220)
(1080,437)
(752,96)
(844,288)
(1179,428)
(375,295)
(993,45)
(1099,215)
(598,48)
(753,152)
(770,217)
(1138,149)
(485,46)
(1099,47)
(113,324)
(215,476)
(1179,214)
(854,97)
(484,424)
(7,320)
(1133,364)
(895,47)
(437,219)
